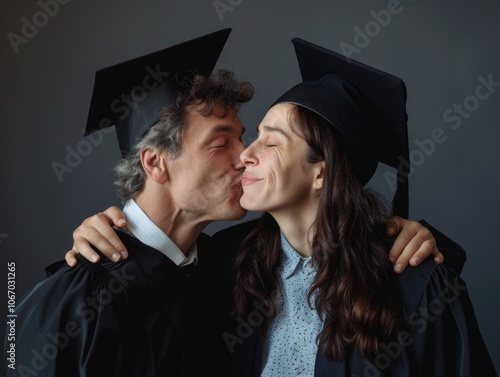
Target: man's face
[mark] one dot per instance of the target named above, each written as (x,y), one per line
(206,177)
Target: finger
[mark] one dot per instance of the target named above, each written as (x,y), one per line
(401,263)
(438,257)
(116,216)
(394,225)
(411,238)
(99,232)
(70,258)
(418,249)
(84,248)
(404,237)
(104,239)
(428,247)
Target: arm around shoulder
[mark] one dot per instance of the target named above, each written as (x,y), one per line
(454,255)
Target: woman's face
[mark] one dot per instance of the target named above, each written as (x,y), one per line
(277,176)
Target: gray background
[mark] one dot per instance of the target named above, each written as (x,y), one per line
(440,49)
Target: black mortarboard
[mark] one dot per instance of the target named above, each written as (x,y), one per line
(367,106)
(130,95)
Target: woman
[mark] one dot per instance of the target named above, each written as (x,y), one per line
(318,258)
(311,286)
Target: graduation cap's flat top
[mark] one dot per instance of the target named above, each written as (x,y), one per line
(366,105)
(130,95)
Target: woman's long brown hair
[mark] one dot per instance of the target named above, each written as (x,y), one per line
(352,290)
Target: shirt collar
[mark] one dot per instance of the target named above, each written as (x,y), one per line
(146,231)
(292,261)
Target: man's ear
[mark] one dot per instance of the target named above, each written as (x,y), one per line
(154,163)
(319,175)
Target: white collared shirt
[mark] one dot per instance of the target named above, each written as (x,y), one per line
(141,227)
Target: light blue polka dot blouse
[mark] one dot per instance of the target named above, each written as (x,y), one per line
(289,347)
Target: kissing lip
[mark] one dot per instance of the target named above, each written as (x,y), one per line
(237,183)
(249,179)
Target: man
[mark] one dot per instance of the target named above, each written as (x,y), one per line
(150,315)
(153,313)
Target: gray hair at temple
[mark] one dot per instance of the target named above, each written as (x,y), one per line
(166,135)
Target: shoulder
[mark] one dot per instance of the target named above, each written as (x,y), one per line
(454,254)
(78,293)
(418,286)
(145,272)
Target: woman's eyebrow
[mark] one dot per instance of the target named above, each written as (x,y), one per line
(275,129)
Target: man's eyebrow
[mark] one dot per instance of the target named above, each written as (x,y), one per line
(226,128)
(274,129)
(222,128)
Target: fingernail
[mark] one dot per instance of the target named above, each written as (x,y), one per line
(392,259)
(115,257)
(414,261)
(124,254)
(122,222)
(94,258)
(398,268)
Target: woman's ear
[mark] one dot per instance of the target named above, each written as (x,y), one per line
(155,165)
(319,175)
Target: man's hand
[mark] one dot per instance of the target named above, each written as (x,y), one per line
(414,243)
(97,230)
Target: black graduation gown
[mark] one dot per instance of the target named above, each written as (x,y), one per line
(437,333)
(141,317)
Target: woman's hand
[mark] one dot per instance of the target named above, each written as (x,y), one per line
(98,231)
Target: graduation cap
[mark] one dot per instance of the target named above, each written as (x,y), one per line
(131,94)
(367,106)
